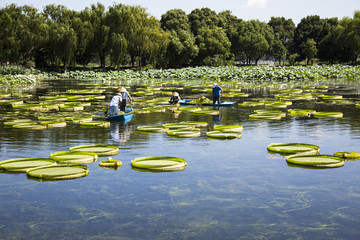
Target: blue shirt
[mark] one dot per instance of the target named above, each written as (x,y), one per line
(216,91)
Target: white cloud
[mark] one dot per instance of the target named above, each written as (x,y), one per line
(255,4)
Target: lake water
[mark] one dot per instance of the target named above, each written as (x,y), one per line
(230,189)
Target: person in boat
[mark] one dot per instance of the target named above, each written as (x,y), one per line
(125,97)
(114,104)
(175,98)
(217,93)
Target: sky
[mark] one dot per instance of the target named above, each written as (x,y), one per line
(261,10)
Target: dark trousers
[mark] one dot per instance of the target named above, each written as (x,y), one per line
(123,106)
(216,99)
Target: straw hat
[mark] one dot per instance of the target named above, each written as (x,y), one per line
(122,89)
(175,94)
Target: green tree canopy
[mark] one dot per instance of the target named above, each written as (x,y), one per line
(214,47)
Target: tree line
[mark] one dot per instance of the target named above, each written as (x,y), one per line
(125,35)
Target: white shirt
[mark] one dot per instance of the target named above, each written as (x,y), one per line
(116,100)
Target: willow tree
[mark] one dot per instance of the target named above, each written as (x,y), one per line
(22,33)
(144,37)
(61,39)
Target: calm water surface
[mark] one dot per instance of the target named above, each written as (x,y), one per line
(232,189)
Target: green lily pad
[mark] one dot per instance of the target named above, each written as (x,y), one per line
(345,154)
(74,157)
(228,128)
(100,149)
(195,124)
(23,164)
(159,163)
(95,124)
(110,163)
(328,114)
(265,116)
(223,135)
(208,112)
(177,126)
(152,128)
(292,148)
(53,124)
(58,172)
(319,161)
(184,133)
(300,112)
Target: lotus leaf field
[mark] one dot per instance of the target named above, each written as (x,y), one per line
(279,163)
(228,73)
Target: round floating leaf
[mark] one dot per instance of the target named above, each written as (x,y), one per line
(52,118)
(251,104)
(345,154)
(223,135)
(95,124)
(23,164)
(300,112)
(184,133)
(159,163)
(328,114)
(293,148)
(152,128)
(320,161)
(265,116)
(208,112)
(100,149)
(18,121)
(53,124)
(177,126)
(228,128)
(195,124)
(190,109)
(110,163)
(332,97)
(58,172)
(74,157)
(27,126)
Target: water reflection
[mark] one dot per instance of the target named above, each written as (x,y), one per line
(120,132)
(229,190)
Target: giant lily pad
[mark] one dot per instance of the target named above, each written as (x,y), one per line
(23,164)
(228,128)
(95,124)
(152,128)
(223,135)
(292,148)
(319,161)
(184,133)
(100,149)
(195,123)
(159,163)
(74,157)
(58,172)
(328,114)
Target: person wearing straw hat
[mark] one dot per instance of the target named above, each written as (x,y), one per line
(217,92)
(175,98)
(125,96)
(114,104)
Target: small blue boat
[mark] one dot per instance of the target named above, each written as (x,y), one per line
(125,117)
(223,103)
